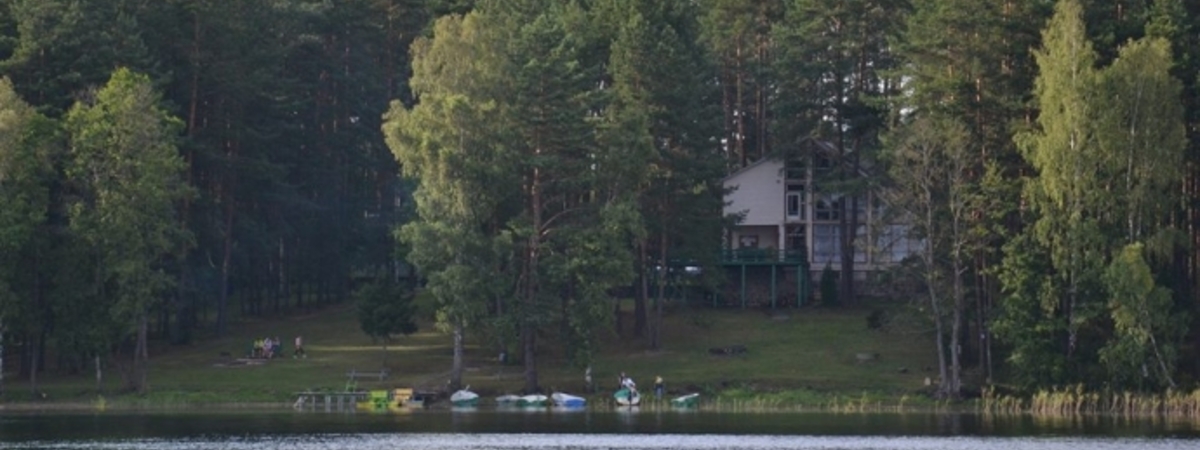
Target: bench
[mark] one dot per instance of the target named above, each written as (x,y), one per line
(353,376)
(379,375)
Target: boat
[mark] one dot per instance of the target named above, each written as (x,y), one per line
(686,401)
(533,400)
(395,400)
(626,397)
(464,398)
(567,400)
(507,400)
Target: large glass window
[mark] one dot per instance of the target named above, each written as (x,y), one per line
(826,244)
(827,207)
(895,244)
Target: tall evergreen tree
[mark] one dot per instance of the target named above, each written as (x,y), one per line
(738,34)
(965,59)
(27,155)
(663,100)
(834,68)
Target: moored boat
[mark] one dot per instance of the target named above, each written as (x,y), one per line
(507,400)
(686,401)
(395,400)
(627,397)
(567,400)
(464,398)
(533,400)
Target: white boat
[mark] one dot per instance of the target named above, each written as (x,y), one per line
(627,397)
(533,400)
(568,400)
(507,400)
(686,401)
(464,397)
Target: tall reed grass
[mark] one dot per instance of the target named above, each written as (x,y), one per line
(1076,400)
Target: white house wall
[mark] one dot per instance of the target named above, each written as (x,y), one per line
(757,192)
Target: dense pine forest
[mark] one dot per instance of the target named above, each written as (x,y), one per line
(169,166)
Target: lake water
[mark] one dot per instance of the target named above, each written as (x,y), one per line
(531,430)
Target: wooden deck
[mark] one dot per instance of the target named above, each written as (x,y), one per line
(328,401)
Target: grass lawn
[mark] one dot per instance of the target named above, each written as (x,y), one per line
(794,356)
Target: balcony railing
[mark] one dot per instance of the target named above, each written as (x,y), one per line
(763,255)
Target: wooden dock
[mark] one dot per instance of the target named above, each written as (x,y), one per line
(328,401)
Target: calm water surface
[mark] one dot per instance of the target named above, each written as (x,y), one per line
(488,430)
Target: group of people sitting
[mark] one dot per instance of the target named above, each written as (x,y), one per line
(267,348)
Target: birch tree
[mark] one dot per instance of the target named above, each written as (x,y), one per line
(128,173)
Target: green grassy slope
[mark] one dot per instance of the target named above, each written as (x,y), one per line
(792,354)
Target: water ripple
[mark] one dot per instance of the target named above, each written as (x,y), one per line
(500,441)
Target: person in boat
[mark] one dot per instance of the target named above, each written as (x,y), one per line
(628,384)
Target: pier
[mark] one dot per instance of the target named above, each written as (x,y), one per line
(328,401)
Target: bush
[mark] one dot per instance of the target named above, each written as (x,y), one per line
(876,319)
(829,289)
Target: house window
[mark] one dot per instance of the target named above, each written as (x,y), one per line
(797,237)
(896,244)
(822,165)
(794,202)
(827,208)
(748,241)
(827,245)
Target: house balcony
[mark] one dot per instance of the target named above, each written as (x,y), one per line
(763,256)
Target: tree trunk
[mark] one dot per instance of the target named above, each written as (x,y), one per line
(141,356)
(639,300)
(656,338)
(226,262)
(456,371)
(955,384)
(617,316)
(33,369)
(528,331)
(99,374)
(1,357)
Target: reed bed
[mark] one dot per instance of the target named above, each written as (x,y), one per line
(1077,400)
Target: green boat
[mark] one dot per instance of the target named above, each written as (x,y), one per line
(686,401)
(625,397)
(464,399)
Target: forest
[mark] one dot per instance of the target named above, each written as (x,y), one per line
(170,166)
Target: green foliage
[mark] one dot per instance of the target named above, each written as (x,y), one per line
(385,309)
(1030,328)
(129,175)
(1108,167)
(28,150)
(1144,349)
(129,179)
(828,286)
